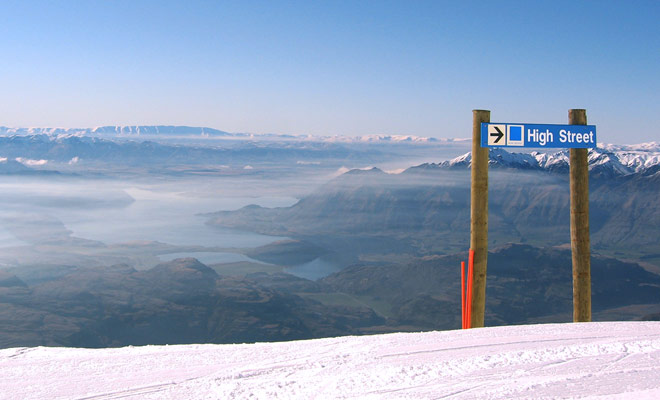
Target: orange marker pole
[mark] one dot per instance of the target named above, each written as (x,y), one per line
(469,288)
(463,295)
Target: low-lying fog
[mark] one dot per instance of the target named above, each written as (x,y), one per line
(140,212)
(71,216)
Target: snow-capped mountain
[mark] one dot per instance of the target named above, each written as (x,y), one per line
(150,132)
(36,150)
(118,131)
(614,160)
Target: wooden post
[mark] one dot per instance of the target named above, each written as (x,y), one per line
(580,242)
(479,218)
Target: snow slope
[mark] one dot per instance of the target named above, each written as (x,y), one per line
(589,360)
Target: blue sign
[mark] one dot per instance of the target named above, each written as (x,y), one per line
(537,135)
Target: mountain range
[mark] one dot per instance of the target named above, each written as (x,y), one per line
(151,132)
(426,208)
(143,146)
(83,150)
(607,161)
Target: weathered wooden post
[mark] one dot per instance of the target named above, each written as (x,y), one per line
(580,242)
(579,137)
(479,218)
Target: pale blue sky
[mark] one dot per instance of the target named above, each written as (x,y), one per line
(335,67)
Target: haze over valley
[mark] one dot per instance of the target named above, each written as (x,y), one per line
(110,237)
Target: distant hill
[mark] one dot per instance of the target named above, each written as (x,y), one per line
(524,284)
(185,301)
(428,206)
(68,149)
(13,167)
(147,132)
(119,131)
(182,301)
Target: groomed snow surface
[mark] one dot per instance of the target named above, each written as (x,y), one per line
(588,360)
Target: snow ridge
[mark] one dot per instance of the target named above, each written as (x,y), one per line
(609,160)
(169,131)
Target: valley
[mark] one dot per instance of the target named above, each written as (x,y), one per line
(296,240)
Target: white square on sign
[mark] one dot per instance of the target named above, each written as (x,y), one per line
(497,135)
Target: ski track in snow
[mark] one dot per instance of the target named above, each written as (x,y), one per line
(587,360)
